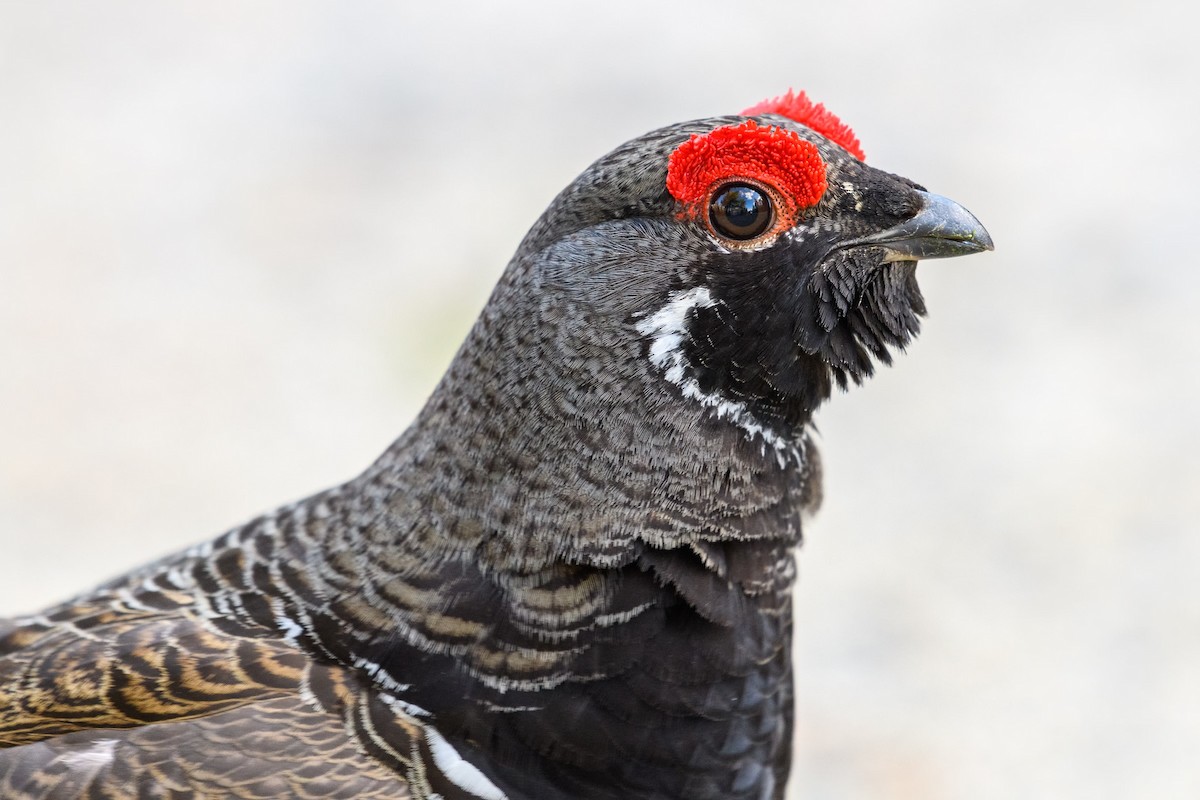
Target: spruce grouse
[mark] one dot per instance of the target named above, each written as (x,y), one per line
(571,576)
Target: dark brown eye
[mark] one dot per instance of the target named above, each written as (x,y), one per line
(739,212)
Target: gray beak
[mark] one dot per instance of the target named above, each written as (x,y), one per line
(941,229)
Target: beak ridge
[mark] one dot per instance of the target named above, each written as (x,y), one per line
(941,229)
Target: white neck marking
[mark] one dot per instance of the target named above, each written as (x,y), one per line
(667,330)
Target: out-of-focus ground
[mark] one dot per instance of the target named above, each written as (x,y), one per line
(240,242)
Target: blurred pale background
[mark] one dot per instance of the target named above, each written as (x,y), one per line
(239,243)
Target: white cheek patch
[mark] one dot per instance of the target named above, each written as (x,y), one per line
(667,329)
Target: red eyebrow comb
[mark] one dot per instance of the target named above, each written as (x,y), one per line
(797,107)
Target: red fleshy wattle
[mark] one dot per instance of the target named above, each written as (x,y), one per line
(778,158)
(798,107)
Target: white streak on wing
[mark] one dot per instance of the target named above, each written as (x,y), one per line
(290,628)
(130,600)
(403,706)
(459,771)
(382,677)
(667,328)
(100,754)
(490,706)
(176,578)
(617,617)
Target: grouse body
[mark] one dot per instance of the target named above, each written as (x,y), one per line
(571,576)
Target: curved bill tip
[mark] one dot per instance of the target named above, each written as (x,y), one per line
(941,229)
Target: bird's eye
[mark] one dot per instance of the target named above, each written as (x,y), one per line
(739,212)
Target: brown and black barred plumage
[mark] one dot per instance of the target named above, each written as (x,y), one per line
(571,577)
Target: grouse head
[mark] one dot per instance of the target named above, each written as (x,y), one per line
(757,261)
